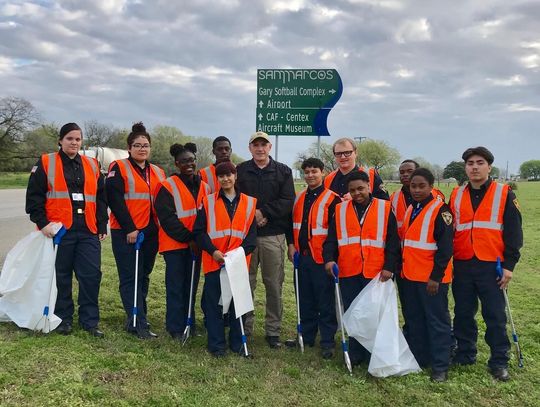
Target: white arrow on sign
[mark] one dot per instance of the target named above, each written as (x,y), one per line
(332,91)
(261,104)
(260,116)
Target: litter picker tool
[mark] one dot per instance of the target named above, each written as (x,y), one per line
(189,322)
(514,333)
(300,338)
(138,243)
(344,344)
(46,315)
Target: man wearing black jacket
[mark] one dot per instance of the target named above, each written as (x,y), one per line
(272,184)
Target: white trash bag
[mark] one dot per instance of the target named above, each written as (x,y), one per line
(25,284)
(372,319)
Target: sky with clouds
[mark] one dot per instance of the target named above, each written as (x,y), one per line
(430,78)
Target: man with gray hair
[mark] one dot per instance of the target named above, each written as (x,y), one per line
(272,184)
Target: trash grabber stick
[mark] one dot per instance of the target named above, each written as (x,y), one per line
(344,344)
(244,337)
(138,243)
(298,323)
(56,241)
(189,322)
(514,333)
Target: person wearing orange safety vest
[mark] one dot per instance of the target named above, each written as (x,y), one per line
(67,188)
(221,148)
(401,199)
(344,150)
(426,274)
(131,183)
(225,222)
(313,208)
(177,201)
(487,225)
(363,241)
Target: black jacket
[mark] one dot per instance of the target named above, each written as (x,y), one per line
(274,189)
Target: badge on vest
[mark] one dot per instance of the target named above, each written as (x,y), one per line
(77,197)
(447,217)
(516,204)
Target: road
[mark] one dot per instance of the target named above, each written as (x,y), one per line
(14,222)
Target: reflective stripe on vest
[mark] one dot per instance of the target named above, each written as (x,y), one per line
(345,239)
(422,243)
(395,202)
(131,194)
(51,178)
(216,234)
(209,178)
(495,206)
(180,212)
(319,230)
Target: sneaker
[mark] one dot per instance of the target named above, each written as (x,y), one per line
(327,353)
(439,377)
(273,342)
(95,332)
(500,374)
(65,328)
(218,353)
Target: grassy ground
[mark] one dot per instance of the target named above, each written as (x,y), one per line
(13,180)
(121,370)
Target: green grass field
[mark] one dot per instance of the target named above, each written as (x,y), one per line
(122,370)
(13,180)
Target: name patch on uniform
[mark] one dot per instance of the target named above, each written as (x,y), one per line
(77,196)
(111,174)
(447,217)
(34,168)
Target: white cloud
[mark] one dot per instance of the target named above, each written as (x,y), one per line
(8,24)
(285,6)
(531,61)
(323,14)
(377,84)
(413,31)
(519,107)
(385,4)
(513,80)
(403,73)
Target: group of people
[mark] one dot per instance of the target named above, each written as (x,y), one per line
(344,222)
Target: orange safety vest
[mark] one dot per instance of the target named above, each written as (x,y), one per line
(479,233)
(226,234)
(317,222)
(208,175)
(185,207)
(419,245)
(371,172)
(361,247)
(399,206)
(138,195)
(58,206)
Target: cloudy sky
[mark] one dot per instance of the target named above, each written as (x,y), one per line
(430,78)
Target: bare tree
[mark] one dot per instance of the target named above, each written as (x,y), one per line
(17,115)
(97,134)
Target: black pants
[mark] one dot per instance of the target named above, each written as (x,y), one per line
(317,303)
(473,280)
(79,252)
(350,287)
(402,302)
(428,327)
(178,264)
(124,254)
(214,317)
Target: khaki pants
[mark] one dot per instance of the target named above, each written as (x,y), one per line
(270,254)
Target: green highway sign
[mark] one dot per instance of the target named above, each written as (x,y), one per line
(296,102)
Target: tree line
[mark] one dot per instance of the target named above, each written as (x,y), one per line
(25,136)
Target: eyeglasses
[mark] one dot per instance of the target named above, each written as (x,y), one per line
(187,160)
(343,153)
(138,146)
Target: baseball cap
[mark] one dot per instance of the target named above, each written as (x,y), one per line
(259,134)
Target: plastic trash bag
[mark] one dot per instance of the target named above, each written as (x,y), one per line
(27,277)
(372,319)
